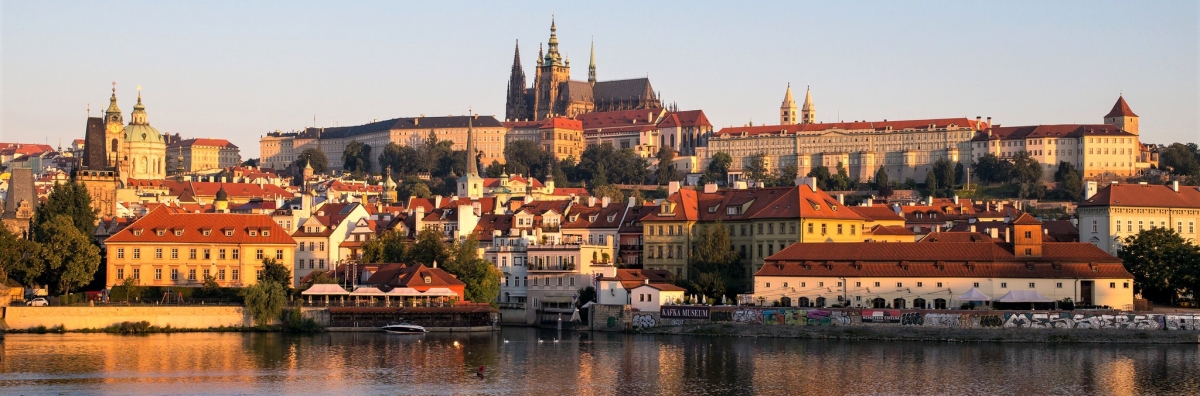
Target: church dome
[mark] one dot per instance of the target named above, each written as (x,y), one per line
(139,130)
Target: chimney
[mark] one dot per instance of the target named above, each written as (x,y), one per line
(811,182)
(739,185)
(929,201)
(605,201)
(1008,234)
(418,220)
(632,202)
(1175,186)
(1090,189)
(841,199)
(591,201)
(437,201)
(956,199)
(972,228)
(710,188)
(994,233)
(989,122)
(870,202)
(672,187)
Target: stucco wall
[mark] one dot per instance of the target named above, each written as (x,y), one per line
(75,318)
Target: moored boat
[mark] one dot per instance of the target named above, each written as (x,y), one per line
(403,328)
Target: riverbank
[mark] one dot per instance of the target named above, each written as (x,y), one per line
(933,334)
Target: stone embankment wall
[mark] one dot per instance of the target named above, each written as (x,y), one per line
(622,318)
(78,318)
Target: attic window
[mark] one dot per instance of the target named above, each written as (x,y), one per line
(159,232)
(137,232)
(228,233)
(266,233)
(178,232)
(206,232)
(252,233)
(428,279)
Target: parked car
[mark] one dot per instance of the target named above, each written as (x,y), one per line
(38,302)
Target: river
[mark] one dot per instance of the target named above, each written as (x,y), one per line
(526,361)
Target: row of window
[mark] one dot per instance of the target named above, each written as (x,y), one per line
(1141,226)
(312,264)
(517,280)
(193,254)
(670,253)
(1003,285)
(174,274)
(312,246)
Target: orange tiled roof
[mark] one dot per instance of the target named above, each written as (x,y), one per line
(192,226)
(1120,109)
(1147,195)
(813,129)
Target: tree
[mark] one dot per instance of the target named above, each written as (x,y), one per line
(992,169)
(273,271)
(429,248)
(613,193)
(931,181)
(482,277)
(312,157)
(390,247)
(882,183)
(944,172)
(666,171)
(1181,159)
(412,187)
(713,254)
(841,181)
(356,158)
(404,160)
(129,290)
(251,162)
(960,176)
(495,169)
(69,199)
(209,287)
(18,258)
(600,176)
(756,168)
(70,258)
(718,167)
(622,166)
(1069,181)
(585,295)
(526,157)
(821,174)
(1026,169)
(265,300)
(1162,262)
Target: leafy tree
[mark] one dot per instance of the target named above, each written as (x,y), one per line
(992,169)
(713,254)
(273,271)
(841,181)
(482,277)
(429,248)
(495,169)
(638,199)
(412,187)
(388,248)
(821,173)
(613,193)
(1181,159)
(786,176)
(960,174)
(600,177)
(931,180)
(666,171)
(585,295)
(882,183)
(718,168)
(70,258)
(944,172)
(265,300)
(210,287)
(67,199)
(1162,262)
(129,290)
(18,258)
(404,160)
(756,168)
(356,158)
(1026,169)
(526,157)
(251,162)
(623,166)
(1069,181)
(312,157)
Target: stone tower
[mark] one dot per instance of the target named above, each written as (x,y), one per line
(114,130)
(787,110)
(516,108)
(808,113)
(552,72)
(1122,116)
(471,185)
(592,66)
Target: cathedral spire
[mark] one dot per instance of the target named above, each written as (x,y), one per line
(552,55)
(787,110)
(592,65)
(516,106)
(472,162)
(808,113)
(113,110)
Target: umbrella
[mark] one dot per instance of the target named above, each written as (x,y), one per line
(575,315)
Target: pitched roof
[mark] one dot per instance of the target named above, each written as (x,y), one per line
(804,202)
(404,275)
(1147,195)
(1051,131)
(400,123)
(890,230)
(622,118)
(193,224)
(878,126)
(204,142)
(1026,219)
(929,269)
(876,212)
(617,90)
(684,208)
(941,251)
(1120,109)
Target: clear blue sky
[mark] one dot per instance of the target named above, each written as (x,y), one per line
(237,70)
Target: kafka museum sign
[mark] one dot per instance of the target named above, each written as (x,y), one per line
(683,312)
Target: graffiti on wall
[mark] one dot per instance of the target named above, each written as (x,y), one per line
(880,316)
(1082,321)
(944,320)
(990,321)
(644,321)
(752,316)
(1182,322)
(721,316)
(912,319)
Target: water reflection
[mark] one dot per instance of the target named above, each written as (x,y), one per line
(529,360)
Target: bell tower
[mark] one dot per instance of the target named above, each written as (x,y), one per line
(552,72)
(114,129)
(1122,116)
(787,110)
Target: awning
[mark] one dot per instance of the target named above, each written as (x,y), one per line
(439,291)
(367,291)
(1024,296)
(974,295)
(403,292)
(325,289)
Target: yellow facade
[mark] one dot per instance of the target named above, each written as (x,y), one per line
(186,265)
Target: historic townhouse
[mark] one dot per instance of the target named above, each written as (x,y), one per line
(668,234)
(560,136)
(194,155)
(319,236)
(934,275)
(1120,210)
(169,247)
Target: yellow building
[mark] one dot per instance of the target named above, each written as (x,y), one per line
(195,155)
(560,136)
(173,248)
(667,239)
(1121,210)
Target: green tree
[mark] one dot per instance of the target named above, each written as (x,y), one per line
(840,181)
(756,168)
(1069,181)
(312,157)
(1162,262)
(960,174)
(600,176)
(526,157)
(251,162)
(273,271)
(1025,168)
(495,169)
(412,187)
(70,258)
(666,171)
(992,169)
(931,181)
(129,290)
(209,286)
(1181,159)
(713,254)
(18,258)
(69,199)
(356,158)
(265,300)
(718,168)
(390,247)
(429,248)
(482,277)
(586,295)
(883,183)
(613,193)
(821,174)
(944,171)
(404,160)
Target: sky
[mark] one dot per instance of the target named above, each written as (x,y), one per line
(237,70)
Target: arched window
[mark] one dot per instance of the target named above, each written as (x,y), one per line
(878,303)
(898,303)
(114,146)
(939,303)
(919,303)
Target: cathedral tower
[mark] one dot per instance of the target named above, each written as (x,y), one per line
(592,66)
(516,109)
(1122,116)
(551,74)
(471,185)
(114,130)
(787,110)
(808,113)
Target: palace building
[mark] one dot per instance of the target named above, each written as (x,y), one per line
(553,93)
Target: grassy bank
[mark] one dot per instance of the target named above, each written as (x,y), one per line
(934,334)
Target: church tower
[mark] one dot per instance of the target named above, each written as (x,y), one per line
(516,109)
(114,130)
(592,66)
(551,74)
(808,113)
(471,185)
(1122,116)
(787,110)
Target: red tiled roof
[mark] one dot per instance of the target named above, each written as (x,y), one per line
(1026,219)
(202,142)
(956,236)
(685,209)
(876,212)
(804,202)
(1051,131)
(664,287)
(608,119)
(943,251)
(1147,195)
(1120,109)
(689,118)
(852,126)
(929,269)
(891,230)
(192,225)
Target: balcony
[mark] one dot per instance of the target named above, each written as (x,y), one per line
(550,267)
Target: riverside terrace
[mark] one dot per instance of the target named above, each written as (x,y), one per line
(462,317)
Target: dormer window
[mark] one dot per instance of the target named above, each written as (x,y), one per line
(266,233)
(253,233)
(178,232)
(428,279)
(137,232)
(206,232)
(228,233)
(159,232)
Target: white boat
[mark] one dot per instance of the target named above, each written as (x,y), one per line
(403,328)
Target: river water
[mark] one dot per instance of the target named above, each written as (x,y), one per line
(527,361)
